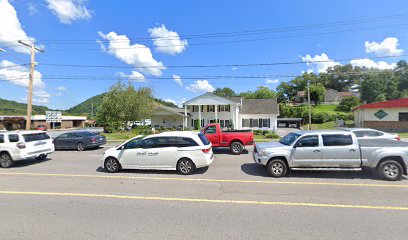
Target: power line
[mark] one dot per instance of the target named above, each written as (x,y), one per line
(221,65)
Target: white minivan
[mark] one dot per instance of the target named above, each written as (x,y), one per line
(181,151)
(20,145)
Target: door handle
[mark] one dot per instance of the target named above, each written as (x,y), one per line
(352,150)
(316,151)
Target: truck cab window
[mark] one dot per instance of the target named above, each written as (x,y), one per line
(308,141)
(211,130)
(337,140)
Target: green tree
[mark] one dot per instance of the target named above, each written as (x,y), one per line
(380,98)
(341,77)
(371,88)
(224,92)
(317,93)
(262,92)
(123,103)
(348,103)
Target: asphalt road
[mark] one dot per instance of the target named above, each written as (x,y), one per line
(69,196)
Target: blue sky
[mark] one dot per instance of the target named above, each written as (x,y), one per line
(64,27)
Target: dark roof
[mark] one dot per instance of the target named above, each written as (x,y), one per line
(259,106)
(396,103)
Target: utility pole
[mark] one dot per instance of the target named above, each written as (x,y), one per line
(308,101)
(92,110)
(30,81)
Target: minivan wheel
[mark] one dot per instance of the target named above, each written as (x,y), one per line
(390,170)
(112,165)
(42,157)
(5,160)
(81,146)
(236,148)
(185,166)
(277,168)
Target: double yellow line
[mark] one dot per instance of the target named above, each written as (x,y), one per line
(202,180)
(203,200)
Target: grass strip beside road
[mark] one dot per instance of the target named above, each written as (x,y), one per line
(203,200)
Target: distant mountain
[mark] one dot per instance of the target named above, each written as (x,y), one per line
(8,107)
(85,108)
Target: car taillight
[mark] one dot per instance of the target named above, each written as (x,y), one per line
(21,145)
(398,138)
(93,139)
(206,150)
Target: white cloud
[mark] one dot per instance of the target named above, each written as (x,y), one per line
(368,63)
(69,11)
(388,46)
(133,76)
(234,68)
(319,62)
(171,101)
(61,88)
(200,86)
(167,41)
(271,81)
(11,29)
(177,79)
(137,55)
(19,75)
(32,9)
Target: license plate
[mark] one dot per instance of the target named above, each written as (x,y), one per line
(39,143)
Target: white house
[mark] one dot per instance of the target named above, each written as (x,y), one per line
(390,115)
(234,112)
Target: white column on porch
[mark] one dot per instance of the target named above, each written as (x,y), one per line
(185,123)
(199,114)
(216,113)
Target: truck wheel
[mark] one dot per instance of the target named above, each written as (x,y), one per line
(185,166)
(277,168)
(390,170)
(5,160)
(236,148)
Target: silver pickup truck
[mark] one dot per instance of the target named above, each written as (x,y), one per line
(332,150)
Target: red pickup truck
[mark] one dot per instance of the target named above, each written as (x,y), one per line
(236,140)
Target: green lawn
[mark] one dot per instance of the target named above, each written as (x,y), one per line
(326,125)
(118,136)
(331,109)
(403,135)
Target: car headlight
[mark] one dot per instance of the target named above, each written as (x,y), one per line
(263,153)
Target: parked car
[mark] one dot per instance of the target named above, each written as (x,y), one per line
(368,133)
(79,140)
(236,140)
(41,128)
(181,151)
(20,145)
(332,150)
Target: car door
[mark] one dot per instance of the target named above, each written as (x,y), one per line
(74,139)
(307,152)
(340,151)
(212,135)
(60,142)
(164,152)
(131,154)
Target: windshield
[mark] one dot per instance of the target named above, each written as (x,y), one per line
(289,139)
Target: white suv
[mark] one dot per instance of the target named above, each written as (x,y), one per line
(181,151)
(19,145)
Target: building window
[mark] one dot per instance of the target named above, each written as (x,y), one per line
(224,108)
(403,116)
(255,122)
(195,108)
(266,123)
(210,108)
(245,122)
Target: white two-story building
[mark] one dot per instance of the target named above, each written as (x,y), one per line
(233,113)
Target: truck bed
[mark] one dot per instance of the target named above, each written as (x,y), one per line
(235,131)
(381,143)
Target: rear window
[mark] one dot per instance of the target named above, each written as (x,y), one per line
(186,142)
(203,139)
(13,138)
(35,137)
(1,138)
(337,140)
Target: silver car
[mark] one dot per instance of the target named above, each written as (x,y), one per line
(368,133)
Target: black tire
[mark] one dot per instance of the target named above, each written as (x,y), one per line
(112,165)
(236,148)
(185,166)
(6,161)
(81,146)
(390,170)
(277,168)
(42,157)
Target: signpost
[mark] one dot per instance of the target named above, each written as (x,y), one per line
(53,117)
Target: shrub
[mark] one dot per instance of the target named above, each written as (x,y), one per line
(272,135)
(142,130)
(197,124)
(264,132)
(258,132)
